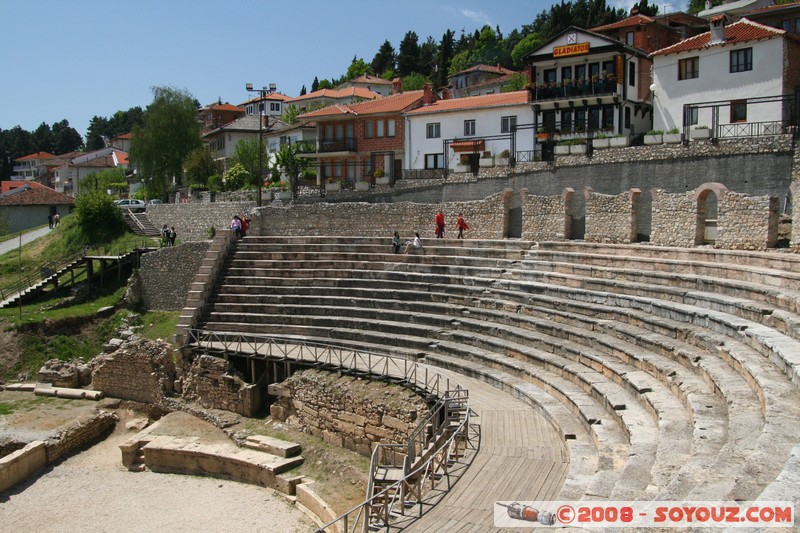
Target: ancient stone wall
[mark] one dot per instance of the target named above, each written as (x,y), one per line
(747,222)
(140,370)
(544,218)
(346,411)
(79,435)
(167,274)
(674,218)
(214,384)
(611,219)
(484,217)
(192,221)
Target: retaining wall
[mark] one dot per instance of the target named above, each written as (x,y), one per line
(167,274)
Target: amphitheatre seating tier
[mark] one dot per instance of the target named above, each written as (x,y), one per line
(671,371)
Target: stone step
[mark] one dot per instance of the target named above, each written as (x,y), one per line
(271,445)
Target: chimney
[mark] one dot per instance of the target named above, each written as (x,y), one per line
(717,33)
(397,86)
(427,95)
(446,94)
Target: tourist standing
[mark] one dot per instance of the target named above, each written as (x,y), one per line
(172,235)
(439,219)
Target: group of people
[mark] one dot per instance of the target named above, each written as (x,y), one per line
(168,235)
(53,220)
(240,226)
(461,226)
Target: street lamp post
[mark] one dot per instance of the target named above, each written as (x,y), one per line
(262,94)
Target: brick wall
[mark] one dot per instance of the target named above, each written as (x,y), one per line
(213,383)
(140,370)
(79,435)
(167,274)
(346,411)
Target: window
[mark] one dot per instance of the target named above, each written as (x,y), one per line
(627,118)
(566,120)
(594,118)
(787,25)
(689,68)
(739,111)
(329,132)
(275,106)
(549,75)
(369,129)
(742,60)
(629,38)
(797,25)
(469,128)
(608,67)
(691,116)
(566,73)
(390,130)
(381,129)
(337,170)
(284,140)
(580,72)
(632,74)
(433,130)
(580,119)
(608,117)
(549,120)
(594,69)
(434,161)
(508,124)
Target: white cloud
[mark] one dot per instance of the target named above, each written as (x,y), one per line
(477,17)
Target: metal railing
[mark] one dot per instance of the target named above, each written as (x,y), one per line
(431,447)
(347,144)
(427,173)
(755,129)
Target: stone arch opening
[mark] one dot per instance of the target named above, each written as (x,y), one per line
(707,196)
(513,218)
(575,207)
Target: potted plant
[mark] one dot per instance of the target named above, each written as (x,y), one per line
(701,132)
(502,159)
(562,148)
(362,185)
(333,185)
(487,159)
(577,146)
(380,177)
(463,164)
(654,137)
(600,142)
(618,141)
(673,136)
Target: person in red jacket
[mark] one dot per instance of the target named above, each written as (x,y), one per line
(461,225)
(439,224)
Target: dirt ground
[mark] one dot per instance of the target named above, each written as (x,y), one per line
(93,491)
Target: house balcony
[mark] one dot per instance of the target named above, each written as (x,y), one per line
(574,89)
(329,147)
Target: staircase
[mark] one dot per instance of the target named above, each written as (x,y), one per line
(140,224)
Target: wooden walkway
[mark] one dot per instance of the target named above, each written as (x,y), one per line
(520,458)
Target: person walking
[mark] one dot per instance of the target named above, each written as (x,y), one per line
(439,219)
(461,225)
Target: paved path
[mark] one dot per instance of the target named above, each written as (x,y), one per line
(28,236)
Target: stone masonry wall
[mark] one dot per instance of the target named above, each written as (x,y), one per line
(79,435)
(747,222)
(214,384)
(484,217)
(193,220)
(674,219)
(140,370)
(346,411)
(167,274)
(611,219)
(544,217)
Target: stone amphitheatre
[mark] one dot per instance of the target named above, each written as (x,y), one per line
(537,365)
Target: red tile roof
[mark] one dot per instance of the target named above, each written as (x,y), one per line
(494,69)
(6,186)
(395,103)
(740,32)
(269,96)
(635,20)
(366,78)
(226,107)
(775,7)
(36,196)
(347,92)
(473,102)
(37,155)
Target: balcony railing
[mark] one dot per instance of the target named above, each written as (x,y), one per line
(574,89)
(422,174)
(755,129)
(348,144)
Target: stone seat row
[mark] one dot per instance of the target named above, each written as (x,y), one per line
(485,286)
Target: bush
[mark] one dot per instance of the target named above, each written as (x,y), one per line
(215,183)
(98,217)
(674,131)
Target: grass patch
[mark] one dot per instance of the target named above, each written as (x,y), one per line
(40,311)
(159,324)
(6,408)
(28,404)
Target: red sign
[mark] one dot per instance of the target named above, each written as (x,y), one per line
(571,50)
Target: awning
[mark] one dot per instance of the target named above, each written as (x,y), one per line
(477,145)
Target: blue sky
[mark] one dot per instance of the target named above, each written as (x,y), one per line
(73,60)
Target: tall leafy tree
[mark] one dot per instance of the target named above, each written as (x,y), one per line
(527,45)
(358,67)
(303,91)
(408,55)
(427,57)
(43,139)
(246,155)
(199,165)
(169,133)
(489,48)
(445,55)
(66,138)
(384,60)
(315,84)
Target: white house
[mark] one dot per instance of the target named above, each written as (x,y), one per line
(371,83)
(272,103)
(459,131)
(713,78)
(281,133)
(222,141)
(584,81)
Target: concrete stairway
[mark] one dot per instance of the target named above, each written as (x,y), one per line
(140,224)
(670,373)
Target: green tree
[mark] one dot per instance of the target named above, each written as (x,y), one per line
(384,60)
(315,84)
(43,138)
(414,82)
(246,155)
(326,84)
(101,128)
(98,217)
(110,179)
(303,90)
(444,56)
(290,114)
(198,166)
(517,82)
(461,61)
(357,68)
(528,44)
(408,55)
(489,48)
(235,177)
(427,58)
(66,138)
(288,160)
(170,132)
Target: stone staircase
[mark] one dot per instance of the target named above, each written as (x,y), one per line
(140,224)
(671,373)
